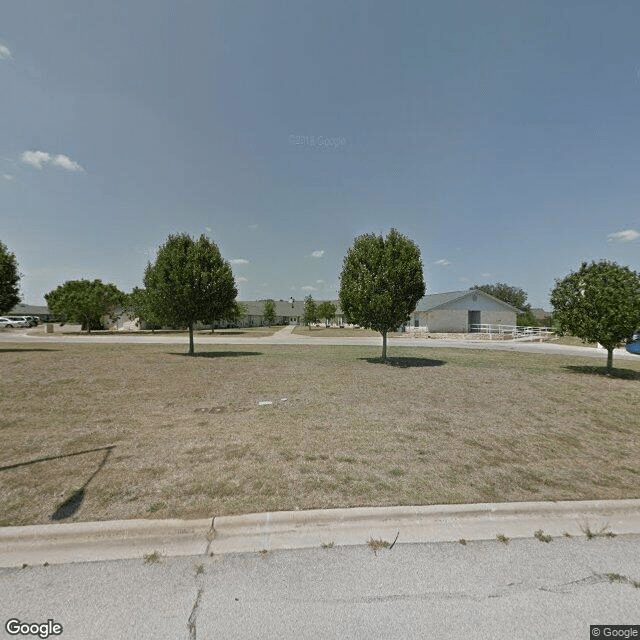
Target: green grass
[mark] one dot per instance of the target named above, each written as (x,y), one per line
(106,431)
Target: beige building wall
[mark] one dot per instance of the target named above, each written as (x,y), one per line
(499,317)
(447,321)
(456,320)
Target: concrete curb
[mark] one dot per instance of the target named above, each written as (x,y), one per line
(436,523)
(92,541)
(111,540)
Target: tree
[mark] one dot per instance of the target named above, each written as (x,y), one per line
(235,313)
(310,310)
(85,301)
(188,283)
(511,295)
(9,278)
(381,282)
(598,303)
(326,310)
(527,319)
(138,303)
(269,312)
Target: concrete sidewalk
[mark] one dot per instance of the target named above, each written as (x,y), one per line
(91,541)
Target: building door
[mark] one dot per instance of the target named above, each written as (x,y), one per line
(474,318)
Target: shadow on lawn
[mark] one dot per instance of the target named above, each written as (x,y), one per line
(24,350)
(406,362)
(624,374)
(226,333)
(219,354)
(71,504)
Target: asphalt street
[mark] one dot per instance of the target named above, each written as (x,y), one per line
(525,589)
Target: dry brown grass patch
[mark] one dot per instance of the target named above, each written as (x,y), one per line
(187,438)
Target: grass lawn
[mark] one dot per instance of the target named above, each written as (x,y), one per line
(101,431)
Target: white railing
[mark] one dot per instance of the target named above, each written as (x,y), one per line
(501,331)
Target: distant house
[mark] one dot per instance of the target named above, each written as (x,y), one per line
(286,312)
(43,313)
(457,311)
(542,316)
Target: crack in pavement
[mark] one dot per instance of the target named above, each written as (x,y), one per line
(594,578)
(191,624)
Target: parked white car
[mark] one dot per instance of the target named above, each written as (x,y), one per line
(14,321)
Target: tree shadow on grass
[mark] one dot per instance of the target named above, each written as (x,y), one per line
(219,354)
(24,350)
(220,333)
(405,363)
(623,374)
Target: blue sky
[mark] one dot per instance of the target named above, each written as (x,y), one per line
(502,136)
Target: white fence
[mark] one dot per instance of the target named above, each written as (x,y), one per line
(502,331)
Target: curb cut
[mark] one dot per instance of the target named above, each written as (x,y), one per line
(120,539)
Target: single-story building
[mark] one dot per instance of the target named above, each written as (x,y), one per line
(542,316)
(286,312)
(450,312)
(459,311)
(42,313)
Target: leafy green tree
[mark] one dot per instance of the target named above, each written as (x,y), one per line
(511,295)
(269,312)
(85,301)
(310,310)
(9,278)
(527,319)
(598,303)
(188,283)
(381,282)
(137,302)
(235,313)
(327,311)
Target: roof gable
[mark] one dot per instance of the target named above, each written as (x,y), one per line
(438,300)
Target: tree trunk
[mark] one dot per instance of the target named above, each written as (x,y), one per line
(191,338)
(609,360)
(384,345)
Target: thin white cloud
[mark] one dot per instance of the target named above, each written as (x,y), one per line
(207,229)
(253,227)
(308,288)
(8,177)
(239,261)
(37,159)
(628,235)
(66,163)
(241,280)
(442,263)
(5,54)
(319,281)
(317,254)
(485,275)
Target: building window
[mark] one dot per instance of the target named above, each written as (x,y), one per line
(416,323)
